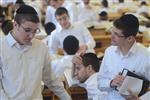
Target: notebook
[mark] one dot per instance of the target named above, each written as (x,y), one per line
(137,84)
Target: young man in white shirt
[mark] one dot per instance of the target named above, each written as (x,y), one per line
(86,68)
(124,53)
(24,61)
(86,41)
(54,4)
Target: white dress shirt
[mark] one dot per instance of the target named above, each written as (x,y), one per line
(137,60)
(22,69)
(1,34)
(87,15)
(143,9)
(77,30)
(50,15)
(63,66)
(72,10)
(91,85)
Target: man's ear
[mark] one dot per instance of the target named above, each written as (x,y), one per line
(130,38)
(90,68)
(15,24)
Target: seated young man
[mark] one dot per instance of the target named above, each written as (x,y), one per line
(86,68)
(128,54)
(86,41)
(64,64)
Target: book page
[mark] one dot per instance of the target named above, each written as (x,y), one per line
(132,83)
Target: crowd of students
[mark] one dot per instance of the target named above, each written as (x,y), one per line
(68,51)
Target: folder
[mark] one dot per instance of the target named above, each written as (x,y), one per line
(138,84)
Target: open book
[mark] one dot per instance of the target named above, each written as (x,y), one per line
(137,84)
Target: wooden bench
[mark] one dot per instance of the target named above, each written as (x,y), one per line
(47,94)
(77,93)
(98,32)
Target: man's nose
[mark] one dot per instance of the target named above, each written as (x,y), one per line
(31,35)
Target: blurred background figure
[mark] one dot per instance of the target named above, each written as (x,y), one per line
(7,26)
(143,9)
(88,14)
(103,16)
(54,4)
(48,27)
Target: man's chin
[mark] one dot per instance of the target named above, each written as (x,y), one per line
(112,43)
(27,42)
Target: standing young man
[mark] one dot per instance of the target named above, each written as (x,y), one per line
(24,61)
(86,41)
(124,53)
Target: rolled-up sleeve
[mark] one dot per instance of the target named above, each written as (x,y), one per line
(104,77)
(53,43)
(90,42)
(52,82)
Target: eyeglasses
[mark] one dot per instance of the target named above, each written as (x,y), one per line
(116,34)
(29,30)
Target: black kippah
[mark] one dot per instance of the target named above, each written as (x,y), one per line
(26,9)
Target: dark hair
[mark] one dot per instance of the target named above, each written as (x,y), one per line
(60,11)
(7,26)
(128,23)
(121,1)
(103,15)
(143,3)
(49,27)
(2,18)
(91,59)
(105,3)
(71,45)
(21,2)
(26,13)
(2,15)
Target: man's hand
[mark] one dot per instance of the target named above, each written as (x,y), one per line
(77,59)
(82,49)
(117,81)
(131,96)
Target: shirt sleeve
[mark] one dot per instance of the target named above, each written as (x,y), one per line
(48,15)
(147,69)
(53,43)
(90,42)
(52,82)
(104,76)
(3,96)
(60,65)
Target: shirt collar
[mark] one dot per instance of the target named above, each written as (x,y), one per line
(10,39)
(132,50)
(90,78)
(60,29)
(12,42)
